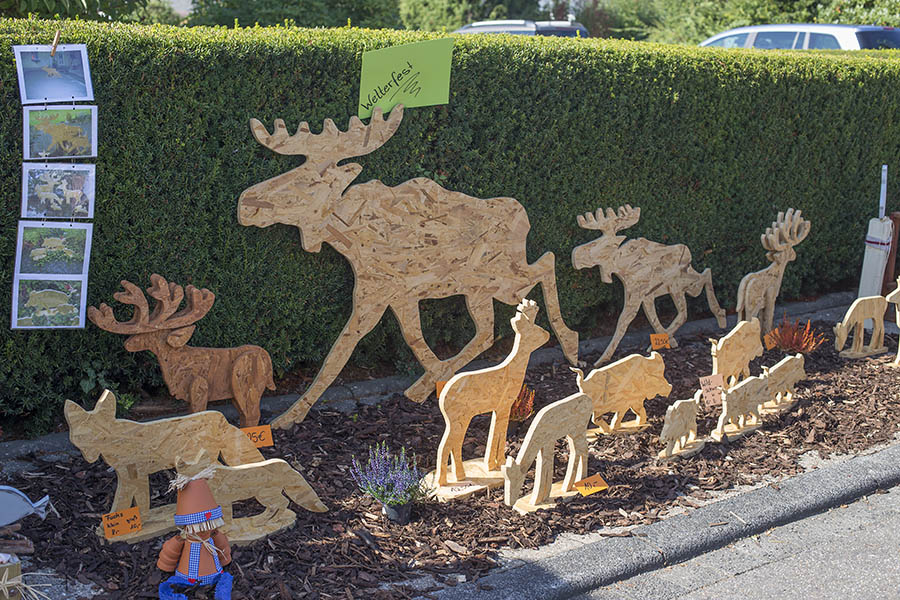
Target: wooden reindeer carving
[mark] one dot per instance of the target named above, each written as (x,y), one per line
(732,353)
(647,269)
(871,307)
(566,418)
(405,243)
(196,375)
(679,431)
(757,291)
(623,386)
(493,390)
(740,408)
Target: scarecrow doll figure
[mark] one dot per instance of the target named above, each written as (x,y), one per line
(198,553)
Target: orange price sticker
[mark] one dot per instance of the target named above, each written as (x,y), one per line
(438,386)
(659,340)
(122,522)
(711,386)
(261,436)
(769,340)
(591,485)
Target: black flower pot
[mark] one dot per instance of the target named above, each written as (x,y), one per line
(398,513)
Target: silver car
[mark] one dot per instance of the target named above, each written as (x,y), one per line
(801,36)
(523,27)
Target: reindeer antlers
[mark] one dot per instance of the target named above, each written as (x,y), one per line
(788,230)
(167,295)
(612,222)
(333,143)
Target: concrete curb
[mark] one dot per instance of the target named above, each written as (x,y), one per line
(348,397)
(685,536)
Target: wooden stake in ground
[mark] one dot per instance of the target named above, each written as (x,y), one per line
(623,386)
(566,418)
(679,431)
(731,354)
(195,375)
(783,378)
(871,307)
(405,244)
(740,408)
(894,298)
(491,390)
(647,269)
(757,291)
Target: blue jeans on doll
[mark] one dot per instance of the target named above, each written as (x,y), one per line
(221,582)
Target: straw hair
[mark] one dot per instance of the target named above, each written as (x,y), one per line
(201,527)
(182,480)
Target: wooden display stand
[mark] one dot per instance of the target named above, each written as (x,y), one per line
(623,386)
(732,353)
(679,431)
(758,291)
(566,418)
(195,375)
(783,378)
(405,244)
(740,409)
(647,269)
(872,307)
(491,390)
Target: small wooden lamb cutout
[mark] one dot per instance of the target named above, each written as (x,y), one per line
(566,418)
(740,408)
(679,431)
(732,353)
(783,378)
(647,269)
(757,291)
(491,390)
(196,375)
(267,482)
(623,386)
(871,307)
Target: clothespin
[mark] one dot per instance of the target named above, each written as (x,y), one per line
(55,44)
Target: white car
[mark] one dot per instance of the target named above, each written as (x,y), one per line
(523,27)
(800,36)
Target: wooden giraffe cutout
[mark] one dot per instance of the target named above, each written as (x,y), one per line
(731,355)
(491,390)
(566,418)
(405,244)
(679,431)
(647,269)
(871,307)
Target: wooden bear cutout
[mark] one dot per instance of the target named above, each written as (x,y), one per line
(137,450)
(679,431)
(647,269)
(871,307)
(566,418)
(405,244)
(758,291)
(623,386)
(196,375)
(740,408)
(783,378)
(491,390)
(731,354)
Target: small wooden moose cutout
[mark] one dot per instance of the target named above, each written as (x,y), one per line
(196,375)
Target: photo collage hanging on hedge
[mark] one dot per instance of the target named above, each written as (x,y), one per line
(52,256)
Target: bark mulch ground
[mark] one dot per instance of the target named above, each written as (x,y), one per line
(352,552)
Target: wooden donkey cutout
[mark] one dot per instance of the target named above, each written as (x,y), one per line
(740,408)
(566,418)
(196,375)
(871,307)
(492,390)
(405,244)
(679,431)
(894,298)
(136,450)
(623,386)
(270,482)
(647,269)
(732,353)
(758,291)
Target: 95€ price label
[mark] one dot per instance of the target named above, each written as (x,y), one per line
(122,522)
(261,435)
(591,485)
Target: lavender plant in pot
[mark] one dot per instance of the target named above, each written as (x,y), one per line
(392,479)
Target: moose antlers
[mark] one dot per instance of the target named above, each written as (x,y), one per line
(612,221)
(358,140)
(167,295)
(788,230)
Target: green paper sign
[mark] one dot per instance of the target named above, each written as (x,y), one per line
(413,75)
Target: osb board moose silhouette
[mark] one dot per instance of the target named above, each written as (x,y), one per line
(405,244)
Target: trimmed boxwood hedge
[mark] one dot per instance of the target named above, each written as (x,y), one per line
(709,143)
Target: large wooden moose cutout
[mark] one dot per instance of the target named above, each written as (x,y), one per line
(647,269)
(405,243)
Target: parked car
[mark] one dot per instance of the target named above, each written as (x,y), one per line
(801,36)
(523,27)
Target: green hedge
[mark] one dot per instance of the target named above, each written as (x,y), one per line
(710,144)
